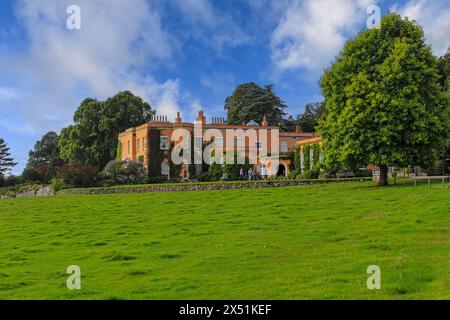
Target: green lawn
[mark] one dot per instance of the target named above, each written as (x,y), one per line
(312,242)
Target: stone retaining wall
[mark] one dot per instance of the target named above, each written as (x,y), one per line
(42,192)
(207,186)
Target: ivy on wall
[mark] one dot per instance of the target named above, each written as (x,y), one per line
(297,159)
(119,152)
(307,156)
(154,154)
(175,169)
(316,154)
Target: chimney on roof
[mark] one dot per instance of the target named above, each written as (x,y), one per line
(201,118)
(178,118)
(218,120)
(298,129)
(264,122)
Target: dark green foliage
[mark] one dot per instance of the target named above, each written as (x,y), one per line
(316,154)
(250,102)
(312,173)
(77,174)
(289,124)
(118,152)
(175,169)
(384,103)
(44,160)
(311,168)
(444,70)
(9,181)
(93,138)
(309,120)
(232,171)
(154,154)
(307,157)
(124,172)
(6,161)
(215,172)
(297,159)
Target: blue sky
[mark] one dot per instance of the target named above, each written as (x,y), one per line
(180,55)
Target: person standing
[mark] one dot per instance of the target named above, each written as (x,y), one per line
(264,172)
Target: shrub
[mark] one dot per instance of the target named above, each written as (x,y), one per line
(157,179)
(13,181)
(124,172)
(58,184)
(310,174)
(293,174)
(215,172)
(76,174)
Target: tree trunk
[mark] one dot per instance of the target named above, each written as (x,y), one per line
(383,176)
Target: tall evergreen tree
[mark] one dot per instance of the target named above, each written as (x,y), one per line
(249,102)
(6,161)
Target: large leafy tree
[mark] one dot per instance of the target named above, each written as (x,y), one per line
(44,160)
(6,161)
(444,68)
(384,103)
(249,102)
(92,140)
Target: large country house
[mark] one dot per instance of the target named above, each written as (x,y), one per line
(135,143)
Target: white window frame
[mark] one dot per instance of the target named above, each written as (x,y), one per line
(198,143)
(164,142)
(218,142)
(284,146)
(239,142)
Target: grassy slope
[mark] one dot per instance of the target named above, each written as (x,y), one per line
(311,242)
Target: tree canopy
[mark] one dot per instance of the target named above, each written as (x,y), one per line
(92,139)
(6,161)
(249,102)
(384,103)
(444,69)
(44,159)
(309,120)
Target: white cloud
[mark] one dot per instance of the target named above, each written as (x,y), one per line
(117,41)
(217,29)
(434,17)
(221,83)
(8,93)
(311,32)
